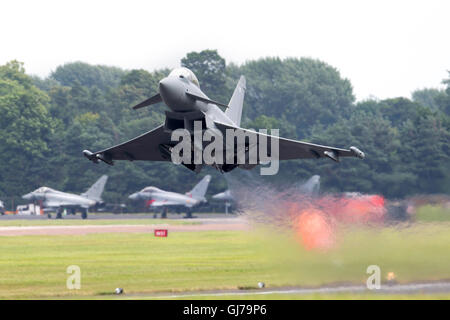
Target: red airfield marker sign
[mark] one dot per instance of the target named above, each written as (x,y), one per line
(161,232)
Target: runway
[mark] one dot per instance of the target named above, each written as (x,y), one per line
(121,216)
(201,224)
(412,288)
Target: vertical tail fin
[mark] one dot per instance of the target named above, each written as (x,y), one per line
(199,190)
(312,186)
(234,111)
(95,192)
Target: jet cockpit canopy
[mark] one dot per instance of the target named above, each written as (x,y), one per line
(185,73)
(150,189)
(43,190)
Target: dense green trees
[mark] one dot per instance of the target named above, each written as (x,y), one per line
(46,123)
(26,130)
(102,77)
(427,98)
(305,91)
(210,67)
(443,99)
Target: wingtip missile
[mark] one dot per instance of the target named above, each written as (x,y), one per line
(357,153)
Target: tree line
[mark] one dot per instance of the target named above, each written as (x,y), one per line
(45,123)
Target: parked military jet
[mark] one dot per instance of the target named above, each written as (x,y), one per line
(53,199)
(161,198)
(310,187)
(181,92)
(225,196)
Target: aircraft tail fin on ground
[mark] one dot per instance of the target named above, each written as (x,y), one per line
(95,192)
(312,186)
(234,111)
(199,190)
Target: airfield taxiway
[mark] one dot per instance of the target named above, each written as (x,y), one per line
(433,287)
(123,216)
(199,224)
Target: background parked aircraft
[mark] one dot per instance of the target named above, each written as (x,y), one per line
(310,187)
(54,199)
(161,198)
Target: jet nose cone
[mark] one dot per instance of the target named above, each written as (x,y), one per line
(173,93)
(28,196)
(166,87)
(134,196)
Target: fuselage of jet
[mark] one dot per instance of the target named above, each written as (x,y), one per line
(53,198)
(157,197)
(224,196)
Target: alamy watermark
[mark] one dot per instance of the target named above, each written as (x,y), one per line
(374,280)
(241,147)
(74,280)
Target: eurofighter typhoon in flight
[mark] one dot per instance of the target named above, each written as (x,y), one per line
(188,106)
(53,199)
(160,198)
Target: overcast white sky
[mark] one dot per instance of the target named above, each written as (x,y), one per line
(386,48)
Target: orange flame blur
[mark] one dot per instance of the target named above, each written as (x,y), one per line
(315,228)
(362,209)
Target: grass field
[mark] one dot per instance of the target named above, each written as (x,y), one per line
(35,266)
(429,213)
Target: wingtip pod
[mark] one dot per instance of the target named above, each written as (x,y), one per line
(95,157)
(357,153)
(90,156)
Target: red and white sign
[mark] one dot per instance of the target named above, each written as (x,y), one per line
(161,232)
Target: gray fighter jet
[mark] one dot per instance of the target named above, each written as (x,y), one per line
(156,197)
(181,92)
(58,200)
(226,197)
(310,187)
